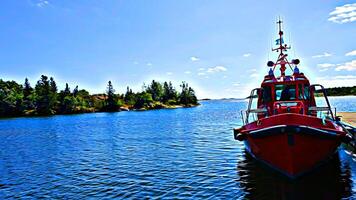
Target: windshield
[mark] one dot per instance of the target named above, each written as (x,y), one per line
(303,92)
(285,92)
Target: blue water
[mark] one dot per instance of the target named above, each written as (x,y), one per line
(186,153)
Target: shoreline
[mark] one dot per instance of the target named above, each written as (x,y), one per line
(121,109)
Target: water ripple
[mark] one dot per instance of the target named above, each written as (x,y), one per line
(163,154)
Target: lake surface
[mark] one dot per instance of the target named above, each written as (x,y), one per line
(186,153)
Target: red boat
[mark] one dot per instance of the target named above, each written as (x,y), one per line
(284,125)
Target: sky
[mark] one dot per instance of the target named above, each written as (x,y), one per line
(219,47)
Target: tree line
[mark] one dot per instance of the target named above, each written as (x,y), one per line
(341,91)
(45,99)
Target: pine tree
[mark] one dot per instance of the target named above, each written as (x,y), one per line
(75,91)
(27,90)
(111,102)
(53,94)
(156,90)
(187,96)
(27,95)
(66,91)
(169,93)
(42,91)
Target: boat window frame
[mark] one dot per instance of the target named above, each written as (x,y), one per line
(285,84)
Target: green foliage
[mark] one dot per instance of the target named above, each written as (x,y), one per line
(169,92)
(341,91)
(44,98)
(28,96)
(129,97)
(143,99)
(156,90)
(11,98)
(187,96)
(111,101)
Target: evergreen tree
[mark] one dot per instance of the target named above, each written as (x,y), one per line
(129,96)
(156,90)
(66,101)
(53,94)
(66,91)
(75,91)
(169,93)
(27,95)
(111,102)
(43,90)
(187,96)
(27,90)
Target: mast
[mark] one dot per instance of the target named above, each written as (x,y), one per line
(282,58)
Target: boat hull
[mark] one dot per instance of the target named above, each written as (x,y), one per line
(291,143)
(292,149)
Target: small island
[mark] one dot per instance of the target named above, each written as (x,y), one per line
(45,99)
(341,91)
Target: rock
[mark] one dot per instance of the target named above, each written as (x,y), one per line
(124,108)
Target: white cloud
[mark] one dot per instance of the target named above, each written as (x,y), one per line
(236,84)
(135,62)
(325,65)
(201,69)
(253,75)
(343,14)
(187,72)
(351,53)
(216,69)
(246,55)
(252,70)
(325,54)
(169,73)
(42,3)
(193,58)
(201,74)
(348,66)
(149,64)
(224,76)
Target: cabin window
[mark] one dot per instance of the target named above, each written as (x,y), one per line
(285,92)
(266,95)
(303,92)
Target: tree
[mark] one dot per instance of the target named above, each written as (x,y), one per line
(28,96)
(129,96)
(156,90)
(11,97)
(187,96)
(66,91)
(43,99)
(169,92)
(111,98)
(53,94)
(66,101)
(75,91)
(143,99)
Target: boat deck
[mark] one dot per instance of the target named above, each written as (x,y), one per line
(348,117)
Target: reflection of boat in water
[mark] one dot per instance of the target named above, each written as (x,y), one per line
(260,182)
(289,131)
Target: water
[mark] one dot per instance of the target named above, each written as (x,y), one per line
(181,153)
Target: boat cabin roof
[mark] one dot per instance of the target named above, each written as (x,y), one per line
(296,78)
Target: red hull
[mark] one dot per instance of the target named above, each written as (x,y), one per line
(292,148)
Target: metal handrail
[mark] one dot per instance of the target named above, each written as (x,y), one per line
(326,98)
(248,111)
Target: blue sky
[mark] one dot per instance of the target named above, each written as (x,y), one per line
(219,47)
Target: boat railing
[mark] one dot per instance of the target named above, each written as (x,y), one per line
(326,108)
(250,110)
